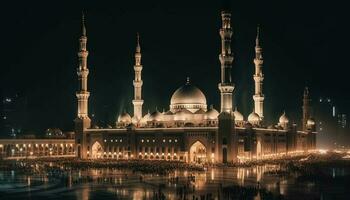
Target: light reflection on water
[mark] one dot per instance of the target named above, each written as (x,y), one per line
(123,184)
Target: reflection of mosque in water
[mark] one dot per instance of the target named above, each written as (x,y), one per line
(190,131)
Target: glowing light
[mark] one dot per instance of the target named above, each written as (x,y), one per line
(322,151)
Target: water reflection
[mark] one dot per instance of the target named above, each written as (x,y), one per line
(115,184)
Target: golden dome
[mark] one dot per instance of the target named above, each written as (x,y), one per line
(238,116)
(124,118)
(156,116)
(188,97)
(253,117)
(212,114)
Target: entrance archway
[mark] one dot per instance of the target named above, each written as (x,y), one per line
(198,153)
(96,150)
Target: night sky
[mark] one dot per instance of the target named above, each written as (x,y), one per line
(304,43)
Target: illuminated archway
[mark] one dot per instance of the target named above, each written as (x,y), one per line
(198,153)
(96,150)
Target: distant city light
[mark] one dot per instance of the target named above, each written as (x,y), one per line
(333,111)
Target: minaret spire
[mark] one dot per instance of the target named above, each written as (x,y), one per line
(138,47)
(257,36)
(83,72)
(226,86)
(82,120)
(83,28)
(137,102)
(258,77)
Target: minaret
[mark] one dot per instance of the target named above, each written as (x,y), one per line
(137,82)
(82,71)
(258,78)
(226,86)
(306,108)
(82,121)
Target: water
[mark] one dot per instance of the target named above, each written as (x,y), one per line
(108,184)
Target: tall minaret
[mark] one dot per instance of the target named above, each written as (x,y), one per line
(83,72)
(226,86)
(306,108)
(258,78)
(137,82)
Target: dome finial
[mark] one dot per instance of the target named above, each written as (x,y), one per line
(83,23)
(138,47)
(257,35)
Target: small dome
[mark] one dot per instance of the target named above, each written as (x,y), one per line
(253,117)
(124,118)
(156,116)
(238,116)
(212,113)
(284,119)
(311,122)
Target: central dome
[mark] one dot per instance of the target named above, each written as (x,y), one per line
(188,97)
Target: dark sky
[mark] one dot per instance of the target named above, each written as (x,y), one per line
(304,43)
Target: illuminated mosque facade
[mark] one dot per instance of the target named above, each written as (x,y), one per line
(189,131)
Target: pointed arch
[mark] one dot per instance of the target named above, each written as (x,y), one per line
(96,150)
(198,152)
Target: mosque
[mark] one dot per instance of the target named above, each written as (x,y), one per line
(190,131)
